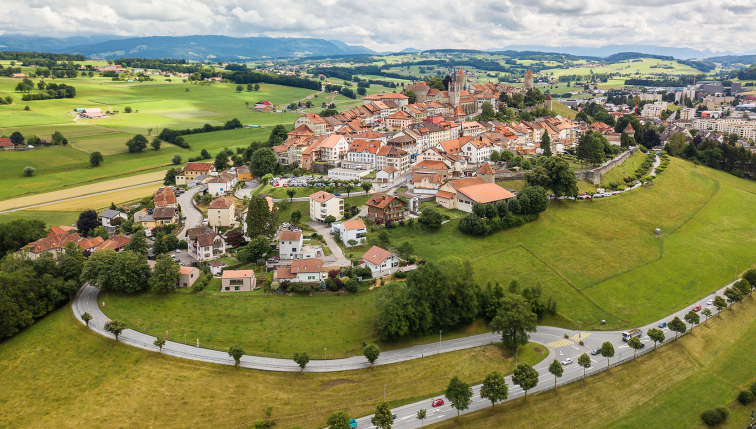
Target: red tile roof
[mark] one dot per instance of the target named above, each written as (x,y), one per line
(376,255)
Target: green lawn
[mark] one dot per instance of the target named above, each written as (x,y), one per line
(668,388)
(49,217)
(58,374)
(627,168)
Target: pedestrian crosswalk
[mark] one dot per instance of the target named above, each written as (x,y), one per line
(560,343)
(581,336)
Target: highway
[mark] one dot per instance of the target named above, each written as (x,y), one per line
(550,337)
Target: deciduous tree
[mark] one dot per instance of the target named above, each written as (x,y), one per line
(165,275)
(236,352)
(677,325)
(159,343)
(720,303)
(371,353)
(95,159)
(302,359)
(585,361)
(514,320)
(635,344)
(526,377)
(338,421)
(607,351)
(693,319)
(556,370)
(494,388)
(656,335)
(383,418)
(115,327)
(459,394)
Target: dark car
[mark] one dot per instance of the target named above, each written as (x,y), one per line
(595,352)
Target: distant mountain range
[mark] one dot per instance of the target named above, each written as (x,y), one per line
(216,48)
(605,51)
(186,47)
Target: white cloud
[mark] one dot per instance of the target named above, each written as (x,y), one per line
(396,24)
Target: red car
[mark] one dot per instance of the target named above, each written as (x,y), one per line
(437,402)
(697,308)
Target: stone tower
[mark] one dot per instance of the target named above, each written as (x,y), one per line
(548,103)
(486,173)
(461,79)
(528,80)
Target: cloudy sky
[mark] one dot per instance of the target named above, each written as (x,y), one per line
(397,24)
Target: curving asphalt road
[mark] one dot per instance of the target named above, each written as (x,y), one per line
(193,215)
(553,338)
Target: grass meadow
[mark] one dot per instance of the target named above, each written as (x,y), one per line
(668,388)
(57,373)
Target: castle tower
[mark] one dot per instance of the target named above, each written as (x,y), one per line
(461,80)
(454,94)
(528,80)
(486,173)
(548,102)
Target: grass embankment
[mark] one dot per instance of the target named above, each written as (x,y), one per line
(627,168)
(668,388)
(598,259)
(564,111)
(58,374)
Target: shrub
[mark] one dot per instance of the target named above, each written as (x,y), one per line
(352,286)
(400,275)
(745,397)
(753,389)
(711,417)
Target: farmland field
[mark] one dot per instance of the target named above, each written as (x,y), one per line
(101,201)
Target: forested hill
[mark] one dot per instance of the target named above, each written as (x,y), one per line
(194,47)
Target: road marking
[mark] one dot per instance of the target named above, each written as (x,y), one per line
(557,344)
(580,336)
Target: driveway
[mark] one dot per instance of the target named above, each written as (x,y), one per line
(194,217)
(337,257)
(247,189)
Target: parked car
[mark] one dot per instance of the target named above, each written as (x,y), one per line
(352,423)
(437,402)
(697,308)
(567,361)
(178,250)
(663,325)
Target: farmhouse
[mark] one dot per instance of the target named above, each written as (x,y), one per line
(95,113)
(194,169)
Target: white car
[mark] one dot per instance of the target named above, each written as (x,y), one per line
(567,361)
(710,302)
(178,250)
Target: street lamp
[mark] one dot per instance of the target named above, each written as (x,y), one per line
(184,343)
(325,356)
(439,341)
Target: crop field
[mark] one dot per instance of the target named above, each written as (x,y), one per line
(48,217)
(58,361)
(668,388)
(103,200)
(81,190)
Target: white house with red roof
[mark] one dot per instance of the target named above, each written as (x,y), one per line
(380,261)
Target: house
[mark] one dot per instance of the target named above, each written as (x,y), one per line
(6,144)
(291,246)
(221,212)
(380,261)
(165,197)
(159,217)
(56,241)
(431,167)
(194,169)
(302,271)
(238,281)
(461,194)
(116,243)
(386,175)
(426,183)
(263,106)
(204,243)
(243,174)
(353,231)
(187,276)
(107,217)
(216,267)
(323,204)
(314,122)
(384,208)
(221,184)
(399,120)
(390,156)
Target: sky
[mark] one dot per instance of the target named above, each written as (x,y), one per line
(396,24)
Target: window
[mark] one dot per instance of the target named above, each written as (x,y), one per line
(228,288)
(236,288)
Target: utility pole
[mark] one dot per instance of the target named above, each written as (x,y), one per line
(325,357)
(439,341)
(384,393)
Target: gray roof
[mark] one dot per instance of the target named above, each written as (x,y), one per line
(110,214)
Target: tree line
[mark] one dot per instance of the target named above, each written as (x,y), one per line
(24,56)
(175,136)
(245,77)
(529,203)
(726,156)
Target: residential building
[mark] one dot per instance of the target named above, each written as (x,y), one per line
(187,276)
(461,194)
(291,245)
(159,217)
(302,271)
(108,216)
(353,231)
(204,243)
(314,122)
(116,243)
(216,267)
(6,143)
(194,169)
(238,281)
(221,184)
(56,241)
(399,120)
(383,208)
(386,175)
(432,167)
(687,113)
(221,212)
(324,204)
(390,156)
(243,174)
(165,197)
(347,173)
(380,261)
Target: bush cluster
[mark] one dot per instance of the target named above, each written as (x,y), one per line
(715,416)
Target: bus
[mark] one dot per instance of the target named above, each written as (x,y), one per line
(630,334)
